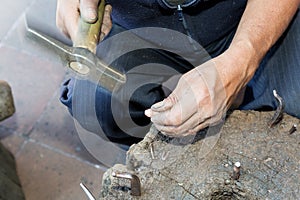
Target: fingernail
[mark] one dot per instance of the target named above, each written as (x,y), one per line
(158,105)
(148,113)
(102,35)
(91,14)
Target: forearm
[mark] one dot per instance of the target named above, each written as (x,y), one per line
(262,23)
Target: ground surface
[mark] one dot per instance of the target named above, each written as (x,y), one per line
(177,169)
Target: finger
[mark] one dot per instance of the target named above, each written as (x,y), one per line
(106,23)
(182,130)
(166,104)
(178,114)
(159,107)
(148,112)
(72,26)
(61,26)
(89,10)
(212,121)
(67,18)
(199,127)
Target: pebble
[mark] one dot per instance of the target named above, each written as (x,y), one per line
(238,184)
(227,182)
(243,194)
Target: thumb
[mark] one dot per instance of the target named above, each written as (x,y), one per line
(89,10)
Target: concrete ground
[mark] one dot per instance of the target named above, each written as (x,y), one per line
(51,160)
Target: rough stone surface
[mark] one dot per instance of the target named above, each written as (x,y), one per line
(10,187)
(7,107)
(202,167)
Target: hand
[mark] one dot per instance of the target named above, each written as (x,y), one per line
(68,12)
(201,98)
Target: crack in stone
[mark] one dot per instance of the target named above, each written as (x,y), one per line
(181,186)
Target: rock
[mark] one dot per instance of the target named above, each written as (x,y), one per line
(10,187)
(202,167)
(7,107)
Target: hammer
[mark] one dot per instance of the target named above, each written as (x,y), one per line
(81,58)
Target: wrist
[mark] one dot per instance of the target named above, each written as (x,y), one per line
(244,60)
(236,66)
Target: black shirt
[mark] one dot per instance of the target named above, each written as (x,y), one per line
(207,20)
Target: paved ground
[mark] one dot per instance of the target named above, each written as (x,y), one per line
(51,160)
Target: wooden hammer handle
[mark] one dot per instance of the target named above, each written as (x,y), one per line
(88,33)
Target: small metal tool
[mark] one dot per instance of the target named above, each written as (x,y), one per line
(135,183)
(293,129)
(81,58)
(236,171)
(277,117)
(152,151)
(164,155)
(87,192)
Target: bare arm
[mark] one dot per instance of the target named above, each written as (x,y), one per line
(262,23)
(213,86)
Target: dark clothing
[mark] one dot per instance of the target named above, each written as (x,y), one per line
(280,71)
(216,23)
(207,21)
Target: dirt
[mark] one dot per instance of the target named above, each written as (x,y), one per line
(202,167)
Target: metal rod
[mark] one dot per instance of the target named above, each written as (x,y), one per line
(277,117)
(87,192)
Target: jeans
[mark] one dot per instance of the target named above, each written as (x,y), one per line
(127,124)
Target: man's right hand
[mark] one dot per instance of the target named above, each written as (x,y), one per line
(68,12)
